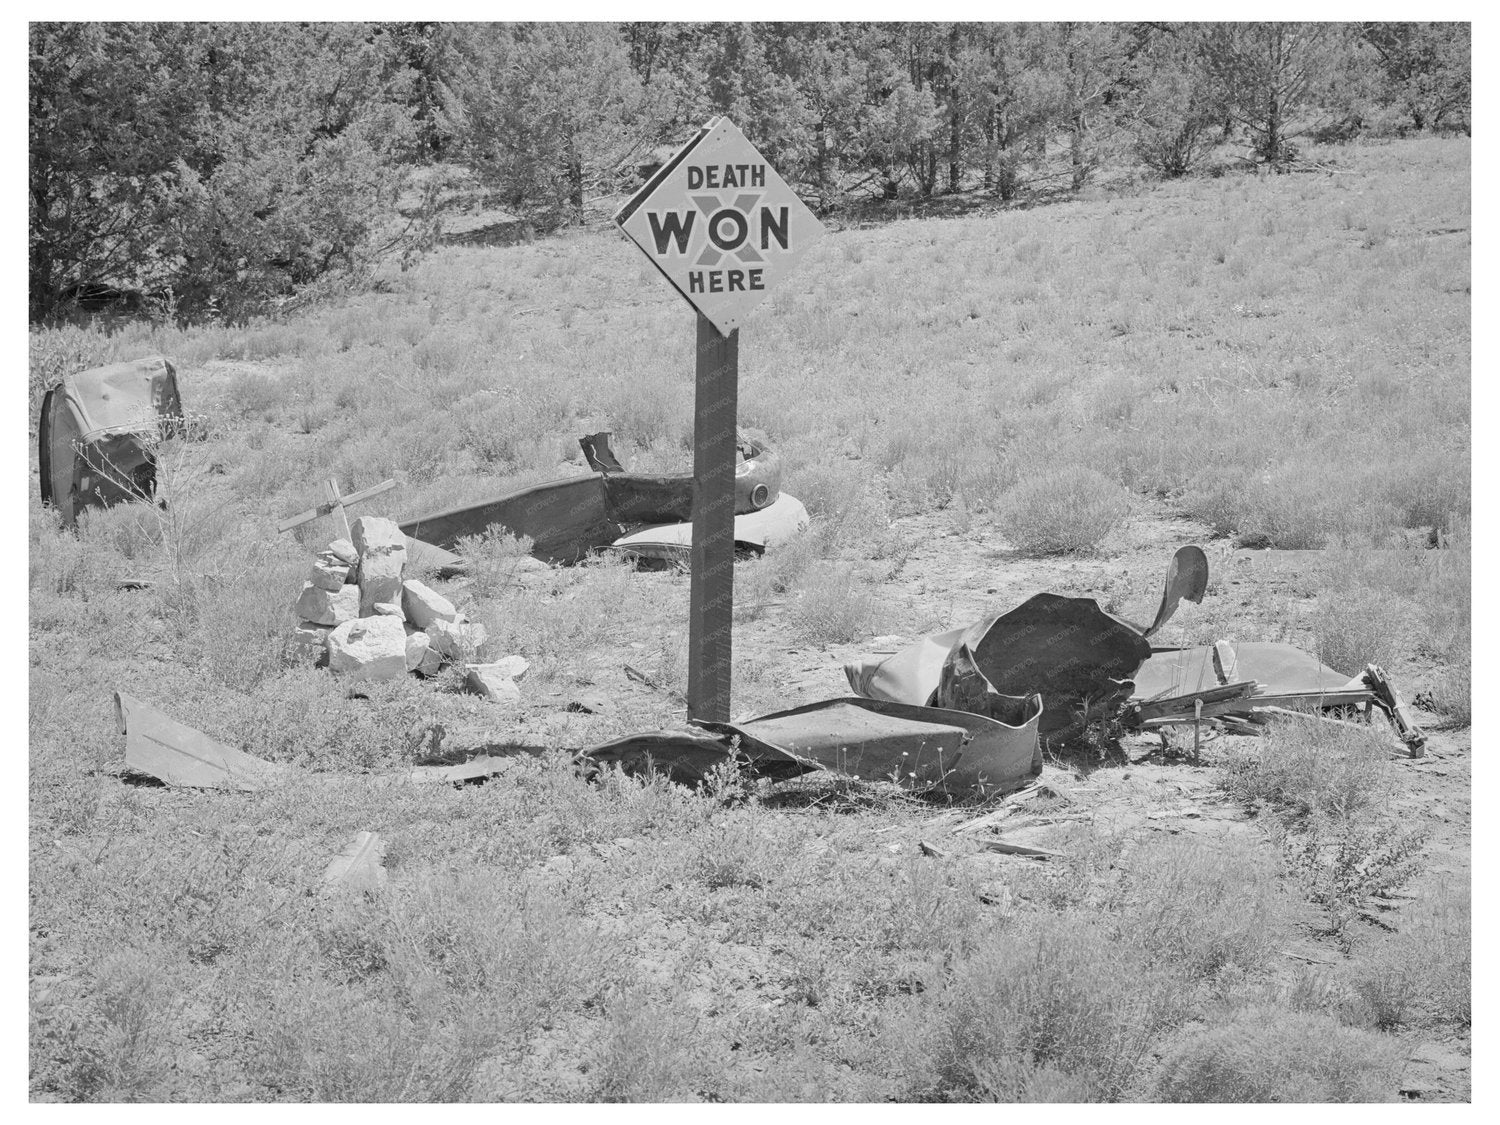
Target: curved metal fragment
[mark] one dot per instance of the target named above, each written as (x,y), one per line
(917,747)
(1187,580)
(685,757)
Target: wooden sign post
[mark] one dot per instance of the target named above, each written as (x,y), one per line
(724,229)
(711,597)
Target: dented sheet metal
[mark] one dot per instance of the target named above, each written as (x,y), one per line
(570,519)
(1069,650)
(1276,668)
(176,754)
(754,531)
(686,757)
(917,747)
(1249,677)
(920,748)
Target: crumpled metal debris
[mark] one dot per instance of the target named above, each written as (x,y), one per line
(1069,650)
(919,748)
(916,747)
(569,519)
(1250,679)
(1088,664)
(673,542)
(94,437)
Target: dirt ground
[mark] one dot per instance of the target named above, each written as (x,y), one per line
(953,576)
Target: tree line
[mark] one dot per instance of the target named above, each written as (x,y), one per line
(221,167)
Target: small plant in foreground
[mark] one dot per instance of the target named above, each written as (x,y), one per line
(1304,768)
(834,607)
(1207,908)
(1268,1054)
(493,559)
(1359,626)
(1061,512)
(1059,992)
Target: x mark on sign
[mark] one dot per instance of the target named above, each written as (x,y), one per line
(728,227)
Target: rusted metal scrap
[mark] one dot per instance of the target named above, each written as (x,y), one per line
(95,443)
(1079,658)
(570,519)
(920,748)
(171,752)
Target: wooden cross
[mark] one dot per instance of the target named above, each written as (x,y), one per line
(335,503)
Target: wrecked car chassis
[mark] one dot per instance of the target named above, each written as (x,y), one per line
(96,435)
(638,514)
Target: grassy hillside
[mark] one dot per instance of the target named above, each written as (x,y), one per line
(1269,361)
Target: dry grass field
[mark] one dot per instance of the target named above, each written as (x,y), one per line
(973,409)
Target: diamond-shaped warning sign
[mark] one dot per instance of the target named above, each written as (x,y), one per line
(719,222)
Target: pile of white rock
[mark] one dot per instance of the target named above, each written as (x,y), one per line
(369,623)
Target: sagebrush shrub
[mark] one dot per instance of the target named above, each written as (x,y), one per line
(493,559)
(1207,908)
(1063,511)
(1269,1054)
(1357,626)
(1306,769)
(1060,993)
(835,607)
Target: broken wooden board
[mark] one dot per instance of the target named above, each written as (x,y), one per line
(176,754)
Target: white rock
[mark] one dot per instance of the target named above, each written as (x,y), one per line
(309,643)
(327,607)
(382,554)
(511,667)
(328,573)
(492,686)
(418,647)
(344,551)
(425,605)
(379,581)
(377,535)
(456,641)
(388,609)
(369,648)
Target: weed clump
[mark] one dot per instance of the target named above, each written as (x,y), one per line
(1058,1010)
(1304,770)
(494,559)
(1359,626)
(1062,512)
(1210,910)
(1325,787)
(834,607)
(1269,1054)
